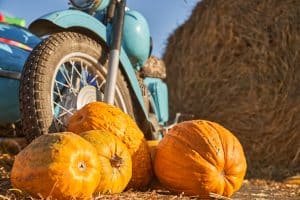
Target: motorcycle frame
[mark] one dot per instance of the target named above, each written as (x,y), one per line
(117,31)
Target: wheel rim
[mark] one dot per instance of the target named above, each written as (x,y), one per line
(78,80)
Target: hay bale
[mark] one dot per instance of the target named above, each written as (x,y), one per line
(237,62)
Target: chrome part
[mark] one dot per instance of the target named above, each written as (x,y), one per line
(10,74)
(88,94)
(176,121)
(110,88)
(156,129)
(82,4)
(89,5)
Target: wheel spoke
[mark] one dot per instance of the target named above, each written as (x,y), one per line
(58,82)
(65,113)
(84,73)
(58,92)
(72,74)
(66,77)
(59,124)
(59,121)
(99,86)
(63,70)
(93,79)
(66,110)
(67,73)
(76,70)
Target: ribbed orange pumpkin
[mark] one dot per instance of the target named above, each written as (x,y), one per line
(60,165)
(199,157)
(101,116)
(116,165)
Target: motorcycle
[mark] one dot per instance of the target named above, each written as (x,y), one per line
(94,51)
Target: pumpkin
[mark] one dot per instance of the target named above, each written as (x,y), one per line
(152,145)
(101,116)
(293,180)
(60,165)
(116,166)
(199,157)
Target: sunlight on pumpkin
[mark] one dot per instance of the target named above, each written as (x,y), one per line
(115,159)
(104,117)
(80,163)
(199,157)
(49,166)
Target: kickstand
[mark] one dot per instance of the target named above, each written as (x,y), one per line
(176,120)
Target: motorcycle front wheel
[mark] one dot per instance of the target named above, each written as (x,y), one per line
(62,74)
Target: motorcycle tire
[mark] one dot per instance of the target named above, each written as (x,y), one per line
(40,88)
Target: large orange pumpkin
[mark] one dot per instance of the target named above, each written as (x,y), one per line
(199,157)
(116,166)
(60,165)
(101,116)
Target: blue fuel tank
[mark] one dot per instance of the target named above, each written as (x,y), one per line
(136,38)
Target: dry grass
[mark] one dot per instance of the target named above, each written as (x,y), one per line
(237,62)
(250,190)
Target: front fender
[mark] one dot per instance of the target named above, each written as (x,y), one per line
(68,19)
(61,20)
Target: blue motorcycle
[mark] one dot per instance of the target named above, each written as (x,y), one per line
(94,51)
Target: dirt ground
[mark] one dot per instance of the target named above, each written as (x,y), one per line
(251,189)
(261,189)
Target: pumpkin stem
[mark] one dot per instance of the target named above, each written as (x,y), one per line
(82,166)
(222,173)
(116,161)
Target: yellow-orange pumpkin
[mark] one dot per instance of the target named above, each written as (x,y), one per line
(116,165)
(60,165)
(101,116)
(199,157)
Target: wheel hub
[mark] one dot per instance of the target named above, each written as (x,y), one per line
(86,95)
(74,101)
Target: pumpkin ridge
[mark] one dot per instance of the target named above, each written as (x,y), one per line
(235,146)
(231,169)
(229,186)
(211,168)
(205,131)
(190,147)
(209,127)
(217,129)
(182,129)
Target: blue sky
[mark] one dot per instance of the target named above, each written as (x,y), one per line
(163,16)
